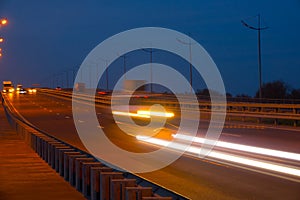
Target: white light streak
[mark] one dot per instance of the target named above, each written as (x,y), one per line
(240,147)
(222,156)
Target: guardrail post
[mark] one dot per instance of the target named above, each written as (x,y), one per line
(117,188)
(137,193)
(157,198)
(66,163)
(86,176)
(49,144)
(105,179)
(95,181)
(78,171)
(72,175)
(45,147)
(295,123)
(54,146)
(59,164)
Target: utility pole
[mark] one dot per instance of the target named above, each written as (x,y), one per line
(191,66)
(124,64)
(106,71)
(151,75)
(258,29)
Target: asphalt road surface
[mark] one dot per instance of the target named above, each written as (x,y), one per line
(191,176)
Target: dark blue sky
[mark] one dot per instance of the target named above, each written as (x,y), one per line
(48,37)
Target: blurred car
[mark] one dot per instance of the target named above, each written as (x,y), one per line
(102,93)
(22,91)
(31,90)
(58,88)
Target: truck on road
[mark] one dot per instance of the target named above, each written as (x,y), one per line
(8,87)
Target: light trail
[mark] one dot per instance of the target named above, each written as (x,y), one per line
(155,113)
(240,147)
(130,114)
(144,114)
(195,151)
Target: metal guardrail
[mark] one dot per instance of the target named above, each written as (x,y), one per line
(83,171)
(240,110)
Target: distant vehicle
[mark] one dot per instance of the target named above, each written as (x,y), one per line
(22,91)
(8,87)
(31,90)
(19,86)
(102,93)
(58,88)
(79,87)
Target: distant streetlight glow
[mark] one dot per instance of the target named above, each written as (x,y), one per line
(1,39)
(4,22)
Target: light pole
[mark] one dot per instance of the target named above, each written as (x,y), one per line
(124,65)
(258,29)
(3,22)
(106,71)
(190,52)
(151,75)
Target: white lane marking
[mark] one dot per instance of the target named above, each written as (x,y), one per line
(231,134)
(80,121)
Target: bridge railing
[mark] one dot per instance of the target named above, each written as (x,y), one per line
(241,111)
(88,175)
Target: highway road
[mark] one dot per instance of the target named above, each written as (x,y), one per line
(211,178)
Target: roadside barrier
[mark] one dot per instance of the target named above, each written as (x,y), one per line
(287,113)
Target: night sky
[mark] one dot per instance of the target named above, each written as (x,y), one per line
(46,40)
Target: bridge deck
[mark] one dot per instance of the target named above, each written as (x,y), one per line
(23,175)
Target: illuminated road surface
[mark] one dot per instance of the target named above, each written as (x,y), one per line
(214,178)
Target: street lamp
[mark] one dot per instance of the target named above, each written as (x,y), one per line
(258,29)
(151,75)
(1,39)
(189,43)
(124,65)
(3,21)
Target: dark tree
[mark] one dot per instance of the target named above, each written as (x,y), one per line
(295,94)
(274,90)
(246,96)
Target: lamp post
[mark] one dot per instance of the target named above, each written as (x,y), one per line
(106,71)
(189,43)
(3,22)
(258,29)
(151,75)
(124,65)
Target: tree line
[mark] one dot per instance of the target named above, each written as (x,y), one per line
(271,90)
